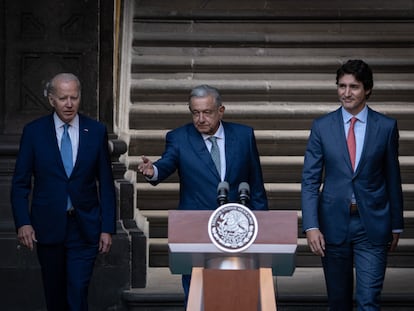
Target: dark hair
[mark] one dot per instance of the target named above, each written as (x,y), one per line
(206,90)
(360,70)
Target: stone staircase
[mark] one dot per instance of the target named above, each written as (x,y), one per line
(275,66)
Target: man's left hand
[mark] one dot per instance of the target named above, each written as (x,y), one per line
(394,242)
(105,243)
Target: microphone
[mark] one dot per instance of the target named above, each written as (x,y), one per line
(222,191)
(244,193)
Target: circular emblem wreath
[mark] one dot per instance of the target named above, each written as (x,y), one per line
(232,227)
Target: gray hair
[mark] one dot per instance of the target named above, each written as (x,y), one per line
(51,85)
(204,91)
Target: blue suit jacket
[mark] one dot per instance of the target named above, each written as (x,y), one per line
(90,185)
(376,182)
(186,152)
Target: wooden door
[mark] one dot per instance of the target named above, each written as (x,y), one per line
(40,39)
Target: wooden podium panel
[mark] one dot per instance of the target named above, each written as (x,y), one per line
(239,290)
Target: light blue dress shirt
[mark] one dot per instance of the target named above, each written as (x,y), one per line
(359,129)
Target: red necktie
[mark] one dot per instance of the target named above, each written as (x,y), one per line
(351,141)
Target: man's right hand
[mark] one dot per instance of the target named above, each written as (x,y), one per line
(26,236)
(146,168)
(316,242)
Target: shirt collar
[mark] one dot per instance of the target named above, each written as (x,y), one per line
(219,133)
(59,123)
(361,116)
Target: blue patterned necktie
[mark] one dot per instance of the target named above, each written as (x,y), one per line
(215,153)
(67,156)
(66,150)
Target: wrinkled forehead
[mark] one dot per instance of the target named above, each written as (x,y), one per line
(203,103)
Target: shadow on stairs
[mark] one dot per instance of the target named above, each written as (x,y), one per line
(303,291)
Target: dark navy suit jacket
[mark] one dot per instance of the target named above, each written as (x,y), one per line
(90,185)
(376,182)
(186,152)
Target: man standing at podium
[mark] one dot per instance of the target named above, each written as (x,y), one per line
(205,153)
(358,215)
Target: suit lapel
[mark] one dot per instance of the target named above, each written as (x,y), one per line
(339,135)
(197,142)
(54,144)
(83,138)
(370,136)
(230,150)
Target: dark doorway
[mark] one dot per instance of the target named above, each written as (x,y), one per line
(41,38)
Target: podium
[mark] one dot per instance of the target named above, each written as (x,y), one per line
(232,280)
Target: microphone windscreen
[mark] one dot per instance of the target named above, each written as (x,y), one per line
(244,186)
(224,185)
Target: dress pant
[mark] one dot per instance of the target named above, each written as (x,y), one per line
(370,263)
(186,280)
(67,269)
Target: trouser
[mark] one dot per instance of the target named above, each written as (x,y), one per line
(186,280)
(370,263)
(66,270)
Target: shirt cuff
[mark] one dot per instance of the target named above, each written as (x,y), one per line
(311,229)
(155,176)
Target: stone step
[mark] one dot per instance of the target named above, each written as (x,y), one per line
(280,169)
(158,242)
(269,142)
(286,61)
(158,224)
(260,12)
(233,88)
(281,196)
(402,257)
(270,34)
(259,115)
(303,291)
